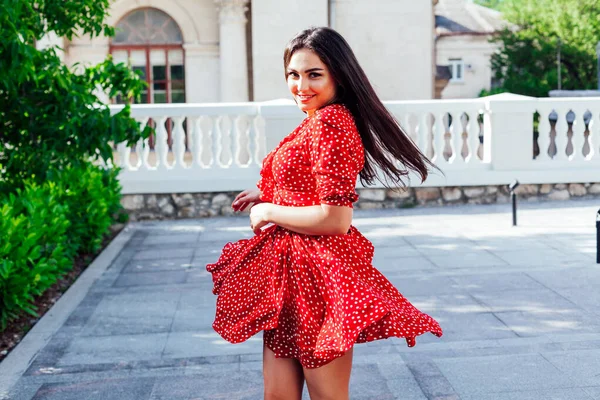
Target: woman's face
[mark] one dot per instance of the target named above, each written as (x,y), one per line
(309,81)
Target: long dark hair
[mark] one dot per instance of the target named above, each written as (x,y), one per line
(384,140)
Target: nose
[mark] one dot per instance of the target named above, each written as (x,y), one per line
(302,84)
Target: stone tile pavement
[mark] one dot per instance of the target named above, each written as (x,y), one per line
(520,308)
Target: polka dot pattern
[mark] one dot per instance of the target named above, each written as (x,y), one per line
(313,296)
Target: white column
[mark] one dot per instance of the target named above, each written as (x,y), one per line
(232,43)
(508,131)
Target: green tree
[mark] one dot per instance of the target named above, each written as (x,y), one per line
(51,115)
(527,61)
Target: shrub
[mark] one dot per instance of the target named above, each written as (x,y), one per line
(93,197)
(44,227)
(34,230)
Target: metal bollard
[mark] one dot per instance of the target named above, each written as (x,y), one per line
(514,185)
(598,237)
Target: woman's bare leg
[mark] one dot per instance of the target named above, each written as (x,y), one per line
(331,381)
(283,377)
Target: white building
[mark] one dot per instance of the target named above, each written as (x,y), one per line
(463,32)
(200,51)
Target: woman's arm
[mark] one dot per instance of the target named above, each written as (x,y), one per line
(311,220)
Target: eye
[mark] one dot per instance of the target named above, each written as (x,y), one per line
(314,75)
(292,74)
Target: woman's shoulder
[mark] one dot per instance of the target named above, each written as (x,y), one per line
(335,124)
(337,115)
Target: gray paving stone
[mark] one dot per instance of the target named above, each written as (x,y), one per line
(499,245)
(199,276)
(201,259)
(196,299)
(583,366)
(553,394)
(193,320)
(472,326)
(577,277)
(21,391)
(474,259)
(541,301)
(228,233)
(583,278)
(151,278)
(397,264)
(382,242)
(430,238)
(396,252)
(497,282)
(207,253)
(550,257)
(593,392)
(431,380)
(234,386)
(400,381)
(375,352)
(161,373)
(475,375)
(117,325)
(164,253)
(122,389)
(172,264)
(132,313)
(66,374)
(539,324)
(422,285)
(113,349)
(452,248)
(220,369)
(457,303)
(367,382)
(167,240)
(208,343)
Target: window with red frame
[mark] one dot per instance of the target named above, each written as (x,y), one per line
(151,42)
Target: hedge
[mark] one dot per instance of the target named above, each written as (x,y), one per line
(44,227)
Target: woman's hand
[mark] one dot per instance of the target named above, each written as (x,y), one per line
(259,217)
(246,198)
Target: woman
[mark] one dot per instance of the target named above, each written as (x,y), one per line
(307,280)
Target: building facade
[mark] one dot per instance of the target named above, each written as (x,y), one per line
(206,51)
(463,33)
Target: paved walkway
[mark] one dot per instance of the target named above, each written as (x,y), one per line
(520,308)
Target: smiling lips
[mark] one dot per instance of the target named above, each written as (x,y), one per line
(305,98)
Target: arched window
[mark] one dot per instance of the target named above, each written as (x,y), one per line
(151,42)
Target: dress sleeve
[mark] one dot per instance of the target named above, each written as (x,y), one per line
(337,157)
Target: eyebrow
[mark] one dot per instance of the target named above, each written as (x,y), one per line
(308,70)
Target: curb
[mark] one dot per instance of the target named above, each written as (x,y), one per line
(20,358)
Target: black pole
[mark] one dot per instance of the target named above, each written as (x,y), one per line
(598,237)
(512,187)
(514,207)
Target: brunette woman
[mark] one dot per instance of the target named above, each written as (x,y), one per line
(307,280)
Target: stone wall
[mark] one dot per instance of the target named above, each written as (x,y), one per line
(200,205)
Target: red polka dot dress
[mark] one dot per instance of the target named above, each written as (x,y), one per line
(313,296)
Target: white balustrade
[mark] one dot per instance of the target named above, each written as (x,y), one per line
(212,147)
(592,140)
(485,141)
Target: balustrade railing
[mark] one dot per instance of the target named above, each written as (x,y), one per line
(485,141)
(568,131)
